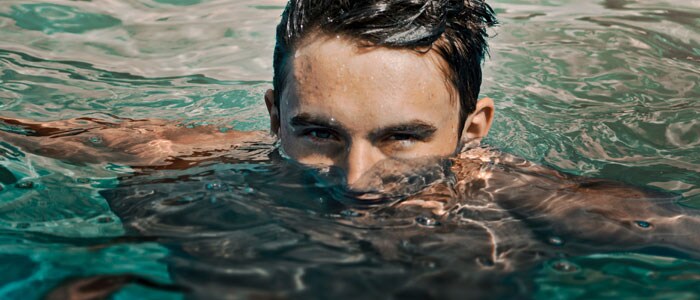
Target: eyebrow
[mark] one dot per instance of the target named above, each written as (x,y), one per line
(418,127)
(305,119)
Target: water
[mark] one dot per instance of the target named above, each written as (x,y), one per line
(605,89)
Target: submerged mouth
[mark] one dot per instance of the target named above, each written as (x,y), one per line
(386,182)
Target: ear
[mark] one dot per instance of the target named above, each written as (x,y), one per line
(273,110)
(479,122)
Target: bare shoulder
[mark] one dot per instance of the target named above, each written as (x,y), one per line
(515,182)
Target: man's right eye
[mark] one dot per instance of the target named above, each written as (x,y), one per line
(321,134)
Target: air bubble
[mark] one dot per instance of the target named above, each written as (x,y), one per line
(104,220)
(564,266)
(22,225)
(179,201)
(248,190)
(643,224)
(555,240)
(351,213)
(428,263)
(485,261)
(214,186)
(25,185)
(427,221)
(652,275)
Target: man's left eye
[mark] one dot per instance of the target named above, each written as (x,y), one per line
(402,137)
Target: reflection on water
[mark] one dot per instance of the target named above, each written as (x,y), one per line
(616,83)
(606,89)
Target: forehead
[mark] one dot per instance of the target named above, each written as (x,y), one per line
(330,72)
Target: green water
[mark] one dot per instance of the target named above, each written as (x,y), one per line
(605,89)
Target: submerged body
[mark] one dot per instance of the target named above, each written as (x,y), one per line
(480,210)
(476,177)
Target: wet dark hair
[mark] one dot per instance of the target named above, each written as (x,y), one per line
(455,28)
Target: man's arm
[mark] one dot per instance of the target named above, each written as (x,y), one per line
(600,214)
(136,143)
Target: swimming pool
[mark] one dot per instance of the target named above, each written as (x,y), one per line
(604,89)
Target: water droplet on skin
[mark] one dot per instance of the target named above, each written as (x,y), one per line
(643,224)
(564,266)
(95,140)
(555,240)
(427,221)
(25,185)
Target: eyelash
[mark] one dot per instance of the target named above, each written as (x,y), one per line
(404,138)
(310,133)
(407,137)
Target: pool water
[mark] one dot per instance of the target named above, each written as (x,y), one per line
(606,89)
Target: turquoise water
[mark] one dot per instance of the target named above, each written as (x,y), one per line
(605,89)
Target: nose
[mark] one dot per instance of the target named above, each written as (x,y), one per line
(360,158)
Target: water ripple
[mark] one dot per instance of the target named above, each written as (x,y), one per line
(603,88)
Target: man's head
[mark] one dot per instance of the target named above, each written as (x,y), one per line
(360,81)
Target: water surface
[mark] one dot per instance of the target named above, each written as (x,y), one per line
(605,89)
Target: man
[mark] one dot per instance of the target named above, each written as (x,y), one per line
(356,84)
(382,87)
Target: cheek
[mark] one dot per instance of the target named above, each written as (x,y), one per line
(445,141)
(441,145)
